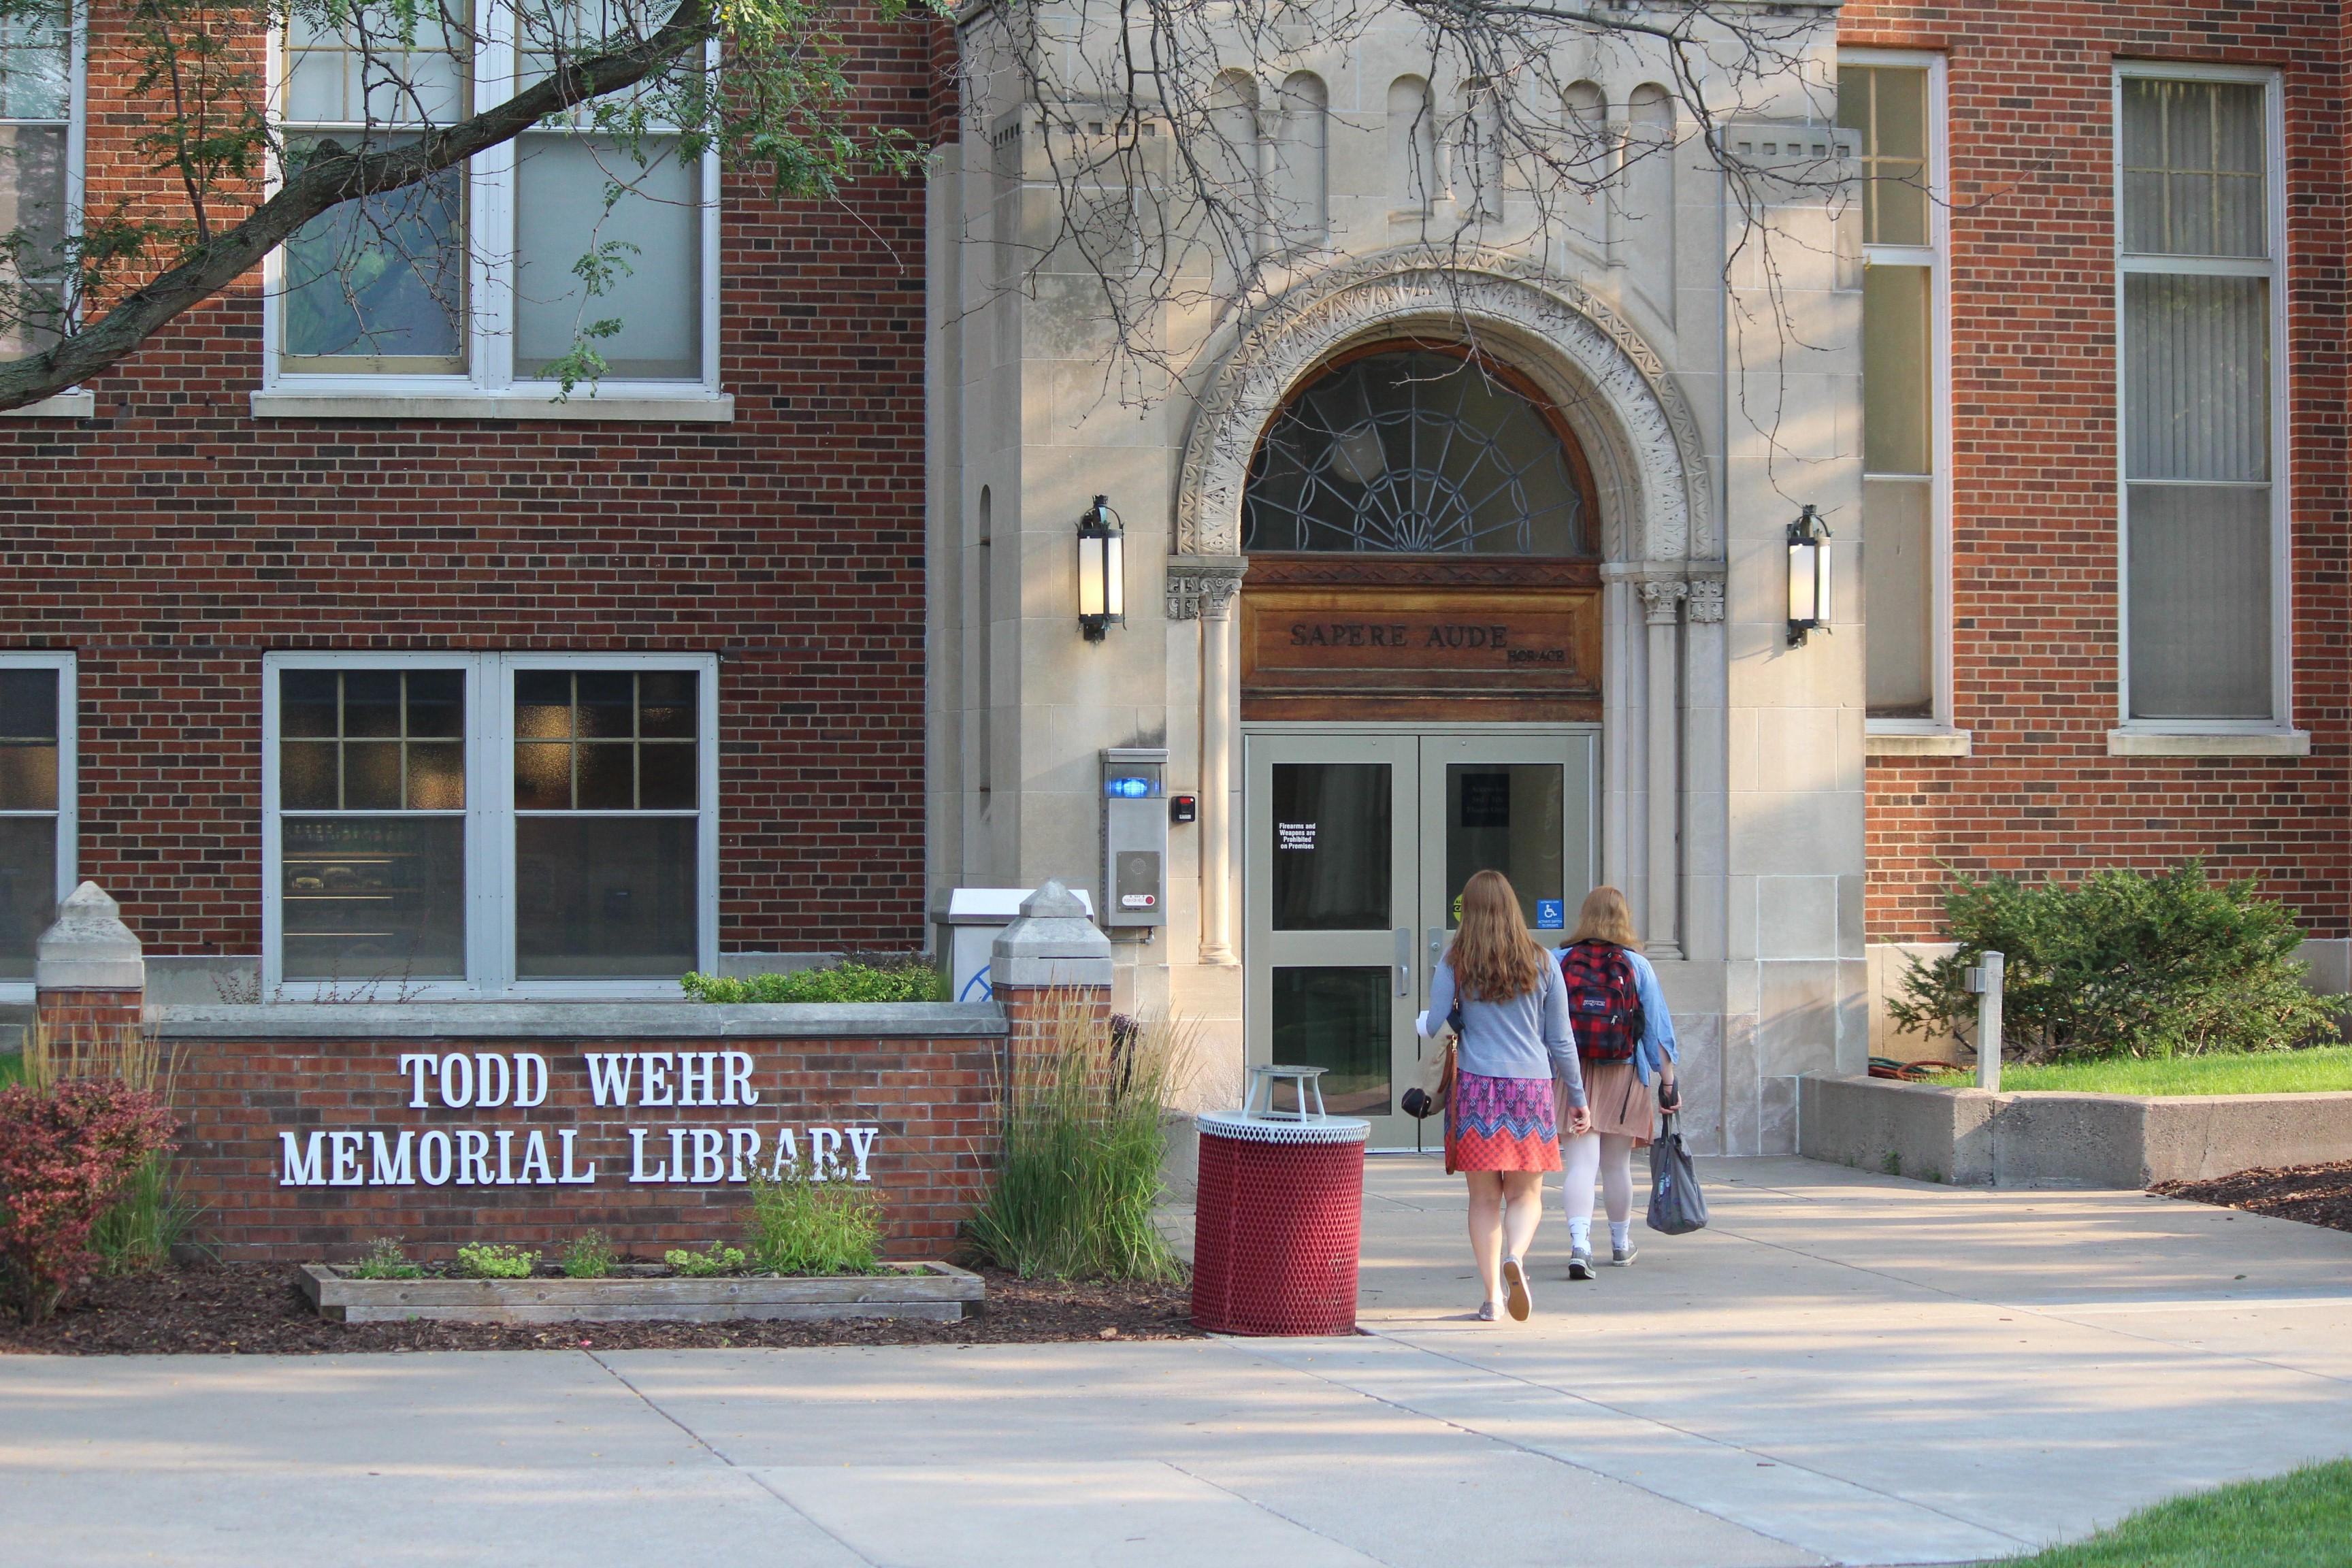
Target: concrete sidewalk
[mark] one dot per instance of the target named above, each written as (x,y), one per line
(1844,1369)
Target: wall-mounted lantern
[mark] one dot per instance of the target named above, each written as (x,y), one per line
(1809,577)
(1102,570)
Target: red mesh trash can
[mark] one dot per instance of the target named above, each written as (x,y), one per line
(1279,1216)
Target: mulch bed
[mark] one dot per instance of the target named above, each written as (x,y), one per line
(255,1309)
(2316,1195)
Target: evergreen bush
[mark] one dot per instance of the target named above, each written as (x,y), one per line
(2122,964)
(909,979)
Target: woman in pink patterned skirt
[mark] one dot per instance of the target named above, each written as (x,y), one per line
(1515,1040)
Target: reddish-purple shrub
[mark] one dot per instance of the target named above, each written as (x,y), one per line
(64,1155)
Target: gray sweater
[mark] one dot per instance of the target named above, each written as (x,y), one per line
(1526,1036)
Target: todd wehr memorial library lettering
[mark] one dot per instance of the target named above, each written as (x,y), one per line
(523,1156)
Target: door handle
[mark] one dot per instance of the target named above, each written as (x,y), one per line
(1405,960)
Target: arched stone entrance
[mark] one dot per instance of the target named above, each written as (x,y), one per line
(1659,546)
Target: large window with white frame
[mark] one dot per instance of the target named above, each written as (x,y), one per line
(571,253)
(453,824)
(1894,102)
(36,804)
(40,120)
(2200,230)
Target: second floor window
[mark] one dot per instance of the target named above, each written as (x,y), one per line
(35,134)
(575,251)
(2204,527)
(1890,102)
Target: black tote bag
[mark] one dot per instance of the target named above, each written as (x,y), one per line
(1676,1205)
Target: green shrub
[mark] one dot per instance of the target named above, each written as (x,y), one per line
(384,1261)
(908,981)
(1077,1177)
(2122,965)
(799,1225)
(719,1259)
(590,1257)
(485,1260)
(12,1068)
(148,1220)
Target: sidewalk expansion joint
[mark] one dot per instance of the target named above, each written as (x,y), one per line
(696,1438)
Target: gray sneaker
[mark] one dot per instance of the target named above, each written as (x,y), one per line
(1619,1257)
(1580,1264)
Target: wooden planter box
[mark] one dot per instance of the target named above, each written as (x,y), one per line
(938,1292)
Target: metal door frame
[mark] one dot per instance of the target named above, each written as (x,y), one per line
(1394,1132)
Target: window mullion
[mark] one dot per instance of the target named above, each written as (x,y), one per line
(492,187)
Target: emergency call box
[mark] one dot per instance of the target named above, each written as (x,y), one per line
(1135,838)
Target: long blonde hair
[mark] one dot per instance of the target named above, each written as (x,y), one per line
(1605,918)
(1493,956)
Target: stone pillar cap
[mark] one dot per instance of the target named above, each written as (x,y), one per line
(1053,943)
(89,948)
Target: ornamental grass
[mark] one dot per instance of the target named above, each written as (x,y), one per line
(1078,1174)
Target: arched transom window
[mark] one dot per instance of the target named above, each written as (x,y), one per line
(1415,451)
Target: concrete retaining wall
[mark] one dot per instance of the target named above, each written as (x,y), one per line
(1970,1138)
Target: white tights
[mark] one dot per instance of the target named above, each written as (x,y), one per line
(1610,1156)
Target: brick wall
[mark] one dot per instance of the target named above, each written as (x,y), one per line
(2033,474)
(173,539)
(929,1099)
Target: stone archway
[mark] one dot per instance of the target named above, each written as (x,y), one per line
(1660,537)
(1611,384)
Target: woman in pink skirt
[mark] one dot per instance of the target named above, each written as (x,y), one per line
(1515,1040)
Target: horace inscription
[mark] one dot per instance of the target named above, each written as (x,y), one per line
(668,1154)
(1397,633)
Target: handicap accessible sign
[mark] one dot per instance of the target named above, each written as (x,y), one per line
(1551,914)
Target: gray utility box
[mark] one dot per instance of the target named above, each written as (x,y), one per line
(1135,837)
(968,929)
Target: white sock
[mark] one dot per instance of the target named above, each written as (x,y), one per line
(1579,1235)
(1621,1233)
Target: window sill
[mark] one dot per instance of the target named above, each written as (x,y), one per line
(695,408)
(2210,743)
(62,406)
(1916,744)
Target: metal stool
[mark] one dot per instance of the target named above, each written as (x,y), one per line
(1302,1079)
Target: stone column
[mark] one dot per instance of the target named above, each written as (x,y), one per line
(1052,947)
(90,973)
(1203,587)
(1661,607)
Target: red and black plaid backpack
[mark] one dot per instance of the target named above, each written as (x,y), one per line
(1603,1005)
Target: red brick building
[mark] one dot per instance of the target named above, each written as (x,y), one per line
(704,584)
(344,655)
(2130,284)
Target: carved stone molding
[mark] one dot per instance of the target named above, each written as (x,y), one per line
(1424,285)
(1660,599)
(1204,583)
(1705,601)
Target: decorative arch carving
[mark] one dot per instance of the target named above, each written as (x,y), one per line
(1613,370)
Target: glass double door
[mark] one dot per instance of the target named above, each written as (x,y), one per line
(1359,846)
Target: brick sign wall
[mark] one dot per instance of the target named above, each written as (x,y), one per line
(304,1148)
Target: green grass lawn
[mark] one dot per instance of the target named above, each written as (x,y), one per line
(2301,1520)
(2261,1072)
(12,1068)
